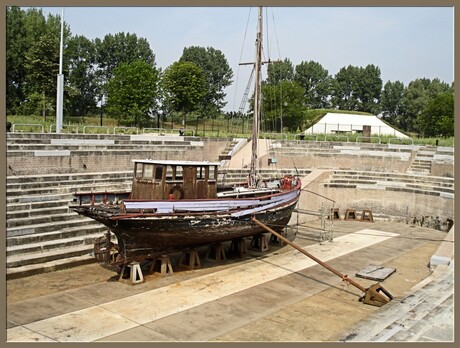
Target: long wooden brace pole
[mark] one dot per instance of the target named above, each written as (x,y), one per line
(325,265)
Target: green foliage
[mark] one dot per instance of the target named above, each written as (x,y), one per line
(184,85)
(356,88)
(82,87)
(316,82)
(282,105)
(438,116)
(32,58)
(132,91)
(216,72)
(391,103)
(280,71)
(416,98)
(120,48)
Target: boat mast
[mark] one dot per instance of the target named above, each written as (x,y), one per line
(256,117)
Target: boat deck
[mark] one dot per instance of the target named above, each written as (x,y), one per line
(275,296)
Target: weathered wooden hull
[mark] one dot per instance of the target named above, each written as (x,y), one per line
(142,236)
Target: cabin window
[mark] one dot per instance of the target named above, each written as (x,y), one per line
(212,173)
(179,173)
(159,172)
(170,173)
(200,173)
(148,171)
(138,170)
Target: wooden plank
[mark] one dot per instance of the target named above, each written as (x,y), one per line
(374,272)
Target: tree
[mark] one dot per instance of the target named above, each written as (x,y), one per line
(216,72)
(316,82)
(184,86)
(117,49)
(391,101)
(416,98)
(358,89)
(16,46)
(282,112)
(437,119)
(280,71)
(42,60)
(82,88)
(369,90)
(132,92)
(345,88)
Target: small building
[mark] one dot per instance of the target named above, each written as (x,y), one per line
(336,123)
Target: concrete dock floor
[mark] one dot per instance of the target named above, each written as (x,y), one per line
(276,296)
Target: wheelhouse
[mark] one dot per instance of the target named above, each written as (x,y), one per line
(154,179)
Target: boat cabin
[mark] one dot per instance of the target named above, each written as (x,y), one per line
(168,179)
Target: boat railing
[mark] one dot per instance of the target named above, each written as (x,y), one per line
(100,197)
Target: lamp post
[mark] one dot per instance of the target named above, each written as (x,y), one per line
(60,81)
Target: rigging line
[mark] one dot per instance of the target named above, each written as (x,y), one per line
(279,57)
(241,55)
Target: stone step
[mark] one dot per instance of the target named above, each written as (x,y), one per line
(47,227)
(68,183)
(21,207)
(49,266)
(67,177)
(85,227)
(95,147)
(47,256)
(40,219)
(33,248)
(400,314)
(99,187)
(41,211)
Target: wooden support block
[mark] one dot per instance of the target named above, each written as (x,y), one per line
(350,214)
(367,215)
(259,243)
(237,247)
(135,273)
(335,214)
(215,253)
(277,241)
(162,265)
(190,259)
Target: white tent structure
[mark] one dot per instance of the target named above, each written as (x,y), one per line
(336,123)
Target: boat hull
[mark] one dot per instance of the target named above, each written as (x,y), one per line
(149,236)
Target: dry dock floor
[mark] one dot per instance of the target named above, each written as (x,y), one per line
(276,296)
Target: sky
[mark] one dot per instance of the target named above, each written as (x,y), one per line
(406,43)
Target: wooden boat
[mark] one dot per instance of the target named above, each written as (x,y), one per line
(177,205)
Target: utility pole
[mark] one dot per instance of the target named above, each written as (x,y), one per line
(60,81)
